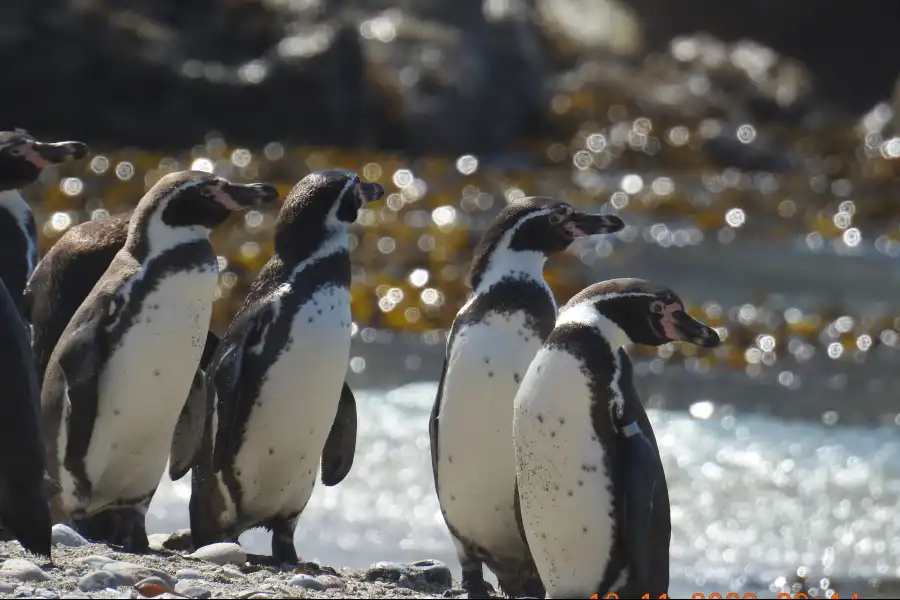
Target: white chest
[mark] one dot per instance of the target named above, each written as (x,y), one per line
(145,382)
(476,464)
(293,414)
(565,491)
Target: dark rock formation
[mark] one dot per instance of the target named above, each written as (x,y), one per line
(416,75)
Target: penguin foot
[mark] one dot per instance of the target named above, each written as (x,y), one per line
(283,549)
(478,589)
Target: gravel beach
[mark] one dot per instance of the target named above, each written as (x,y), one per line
(84,570)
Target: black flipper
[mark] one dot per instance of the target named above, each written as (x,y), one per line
(224,372)
(188,434)
(79,362)
(340,447)
(643,475)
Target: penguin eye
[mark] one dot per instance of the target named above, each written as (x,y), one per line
(556,218)
(657,307)
(16,150)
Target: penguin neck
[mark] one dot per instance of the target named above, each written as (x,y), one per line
(303,250)
(150,238)
(504,263)
(12,202)
(586,314)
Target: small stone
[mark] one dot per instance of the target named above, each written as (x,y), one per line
(223,553)
(96,581)
(94,560)
(191,590)
(157,541)
(331,581)
(308,582)
(45,593)
(405,582)
(231,572)
(385,571)
(260,596)
(71,572)
(434,572)
(151,587)
(188,574)
(7,587)
(66,536)
(127,573)
(23,570)
(73,596)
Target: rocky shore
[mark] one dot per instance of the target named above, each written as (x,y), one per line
(80,569)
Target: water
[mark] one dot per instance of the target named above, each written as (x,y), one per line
(752,497)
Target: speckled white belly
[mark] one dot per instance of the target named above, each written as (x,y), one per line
(565,499)
(476,472)
(278,462)
(144,385)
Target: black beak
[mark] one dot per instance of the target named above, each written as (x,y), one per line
(584,224)
(60,152)
(246,195)
(369,192)
(693,331)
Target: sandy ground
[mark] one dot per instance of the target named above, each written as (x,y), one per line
(86,570)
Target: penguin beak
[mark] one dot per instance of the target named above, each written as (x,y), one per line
(581,224)
(688,329)
(43,155)
(238,196)
(368,192)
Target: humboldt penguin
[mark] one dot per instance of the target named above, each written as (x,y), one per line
(592,490)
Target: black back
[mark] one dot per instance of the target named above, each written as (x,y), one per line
(17,252)
(65,276)
(24,510)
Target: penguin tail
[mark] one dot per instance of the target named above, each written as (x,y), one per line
(25,514)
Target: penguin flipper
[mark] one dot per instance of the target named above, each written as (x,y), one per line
(224,374)
(340,447)
(189,429)
(644,478)
(188,434)
(79,362)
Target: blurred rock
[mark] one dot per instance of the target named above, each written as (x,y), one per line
(419,75)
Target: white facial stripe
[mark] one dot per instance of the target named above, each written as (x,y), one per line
(332,219)
(587,314)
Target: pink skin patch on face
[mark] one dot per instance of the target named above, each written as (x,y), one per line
(667,320)
(573,230)
(32,156)
(224,198)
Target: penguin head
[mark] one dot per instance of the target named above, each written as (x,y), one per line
(537,225)
(22,158)
(320,206)
(199,199)
(327,199)
(643,312)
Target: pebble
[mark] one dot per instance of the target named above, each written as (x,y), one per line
(331,581)
(94,560)
(23,570)
(231,572)
(308,582)
(74,596)
(96,581)
(45,593)
(222,553)
(432,571)
(7,587)
(66,536)
(191,590)
(127,573)
(188,574)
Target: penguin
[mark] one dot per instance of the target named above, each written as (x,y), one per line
(594,503)
(24,508)
(63,279)
(117,380)
(22,158)
(492,340)
(278,376)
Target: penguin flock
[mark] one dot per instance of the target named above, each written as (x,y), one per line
(545,464)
